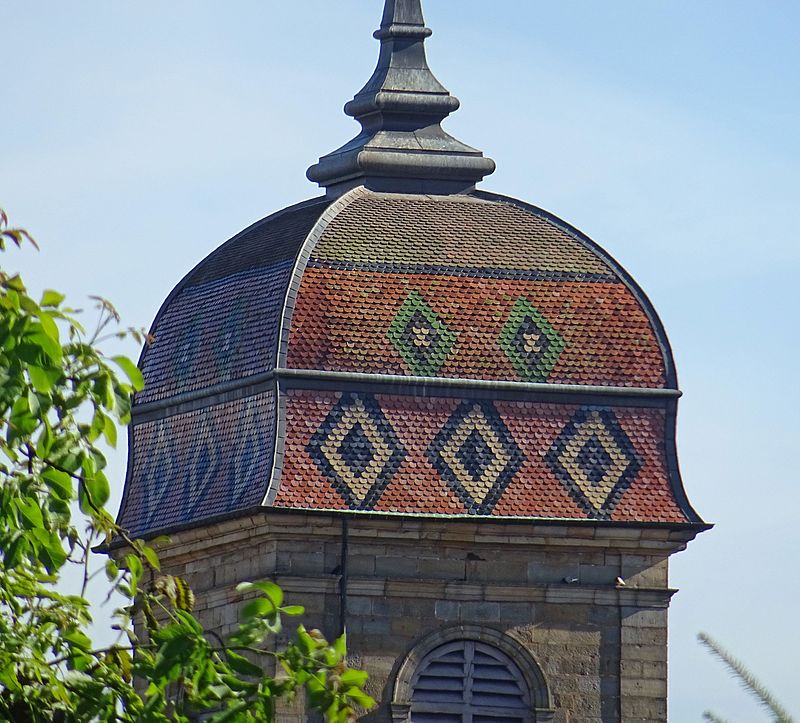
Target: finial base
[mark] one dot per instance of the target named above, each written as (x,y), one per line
(402,145)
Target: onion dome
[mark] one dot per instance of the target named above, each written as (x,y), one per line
(406,345)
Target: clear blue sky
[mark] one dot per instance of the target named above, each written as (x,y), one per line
(136,137)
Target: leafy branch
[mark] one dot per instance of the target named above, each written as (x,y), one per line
(750,683)
(61,403)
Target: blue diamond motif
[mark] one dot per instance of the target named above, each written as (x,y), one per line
(357,450)
(595,460)
(476,455)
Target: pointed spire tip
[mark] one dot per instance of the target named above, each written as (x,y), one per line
(402,145)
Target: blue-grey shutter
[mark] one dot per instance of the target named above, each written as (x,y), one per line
(469,682)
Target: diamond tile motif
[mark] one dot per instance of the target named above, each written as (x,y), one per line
(202,472)
(192,466)
(420,337)
(595,460)
(530,343)
(477,455)
(357,449)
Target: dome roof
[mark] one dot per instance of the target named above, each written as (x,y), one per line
(383,351)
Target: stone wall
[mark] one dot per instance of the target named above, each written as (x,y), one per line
(552,589)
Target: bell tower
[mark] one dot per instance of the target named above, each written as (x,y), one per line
(442,419)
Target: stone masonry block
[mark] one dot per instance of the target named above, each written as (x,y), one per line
(394,567)
(481,612)
(441,569)
(644,653)
(447,610)
(634,617)
(644,636)
(644,688)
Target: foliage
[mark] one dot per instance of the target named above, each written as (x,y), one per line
(61,401)
(709,716)
(747,679)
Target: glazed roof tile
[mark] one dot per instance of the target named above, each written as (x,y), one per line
(476,457)
(199,465)
(468,287)
(221,322)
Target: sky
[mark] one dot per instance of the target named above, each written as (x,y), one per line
(137,137)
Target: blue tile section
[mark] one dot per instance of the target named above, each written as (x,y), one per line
(215,332)
(202,464)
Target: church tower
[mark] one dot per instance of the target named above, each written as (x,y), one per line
(442,419)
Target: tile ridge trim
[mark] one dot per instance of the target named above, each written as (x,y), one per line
(284,330)
(431,383)
(428,383)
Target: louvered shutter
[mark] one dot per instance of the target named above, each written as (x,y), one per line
(469,682)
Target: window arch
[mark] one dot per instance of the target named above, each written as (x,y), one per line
(469,682)
(470,674)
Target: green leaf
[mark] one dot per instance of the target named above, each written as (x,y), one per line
(134,564)
(271,591)
(49,327)
(30,512)
(51,551)
(231,714)
(112,570)
(189,621)
(110,431)
(258,608)
(59,483)
(361,698)
(14,553)
(15,283)
(340,646)
(171,658)
(98,488)
(51,298)
(152,557)
(45,442)
(355,678)
(242,665)
(79,640)
(293,610)
(104,390)
(36,336)
(22,422)
(33,404)
(131,371)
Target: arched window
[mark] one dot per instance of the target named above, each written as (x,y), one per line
(469,682)
(470,674)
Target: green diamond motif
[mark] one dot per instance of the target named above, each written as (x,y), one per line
(532,345)
(421,338)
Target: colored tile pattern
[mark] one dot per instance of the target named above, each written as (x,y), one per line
(223,323)
(342,321)
(357,450)
(471,288)
(500,458)
(475,453)
(194,466)
(431,286)
(595,460)
(457,231)
(420,337)
(532,345)
(215,332)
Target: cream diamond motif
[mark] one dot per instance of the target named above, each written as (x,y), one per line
(476,454)
(595,460)
(357,449)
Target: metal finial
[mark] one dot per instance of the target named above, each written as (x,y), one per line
(402,146)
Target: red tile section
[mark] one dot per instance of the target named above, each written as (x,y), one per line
(342,318)
(417,487)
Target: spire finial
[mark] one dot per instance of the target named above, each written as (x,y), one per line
(402,146)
